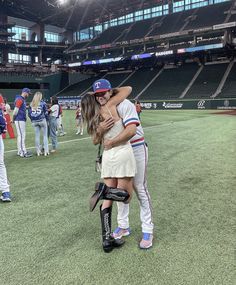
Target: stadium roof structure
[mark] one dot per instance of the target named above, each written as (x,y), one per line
(73,14)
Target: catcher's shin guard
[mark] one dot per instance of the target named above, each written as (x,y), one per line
(107,193)
(99,190)
(116,194)
(108,242)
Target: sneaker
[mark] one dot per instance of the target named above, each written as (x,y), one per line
(146,241)
(39,153)
(26,154)
(46,153)
(6,197)
(53,151)
(119,233)
(62,134)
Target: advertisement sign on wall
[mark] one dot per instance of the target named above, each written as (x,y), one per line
(201,104)
(69,103)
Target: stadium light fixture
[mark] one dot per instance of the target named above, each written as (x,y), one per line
(62,2)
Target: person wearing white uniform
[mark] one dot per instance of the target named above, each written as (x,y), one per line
(4,186)
(127,112)
(60,128)
(7,116)
(118,163)
(19,118)
(79,121)
(53,115)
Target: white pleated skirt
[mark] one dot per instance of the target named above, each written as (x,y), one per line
(118,162)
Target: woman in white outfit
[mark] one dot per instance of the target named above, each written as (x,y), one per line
(79,121)
(118,163)
(53,115)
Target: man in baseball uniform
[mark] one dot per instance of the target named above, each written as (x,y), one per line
(19,117)
(132,125)
(4,186)
(6,112)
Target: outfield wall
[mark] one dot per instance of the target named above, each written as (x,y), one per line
(49,85)
(70,102)
(200,104)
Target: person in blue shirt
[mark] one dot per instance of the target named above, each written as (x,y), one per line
(4,186)
(19,118)
(38,115)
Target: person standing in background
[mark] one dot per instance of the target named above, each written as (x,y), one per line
(4,185)
(38,114)
(19,118)
(7,117)
(79,121)
(60,128)
(138,108)
(53,115)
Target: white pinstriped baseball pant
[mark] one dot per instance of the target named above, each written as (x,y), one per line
(4,186)
(20,129)
(141,190)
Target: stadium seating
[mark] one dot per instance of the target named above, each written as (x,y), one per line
(139,30)
(164,24)
(79,88)
(207,82)
(12,84)
(171,23)
(109,35)
(117,78)
(232,18)
(185,20)
(140,79)
(78,45)
(201,17)
(170,83)
(229,88)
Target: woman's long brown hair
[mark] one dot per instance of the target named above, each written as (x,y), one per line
(90,110)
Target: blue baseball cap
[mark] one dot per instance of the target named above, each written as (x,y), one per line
(26,90)
(101,85)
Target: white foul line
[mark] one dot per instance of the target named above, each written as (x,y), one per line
(31,147)
(74,140)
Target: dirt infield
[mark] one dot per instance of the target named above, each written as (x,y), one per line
(227,112)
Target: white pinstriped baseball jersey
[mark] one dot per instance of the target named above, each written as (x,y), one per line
(128,113)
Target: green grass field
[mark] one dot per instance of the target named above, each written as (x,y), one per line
(48,236)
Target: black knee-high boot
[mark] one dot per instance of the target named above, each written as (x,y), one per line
(108,242)
(103,192)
